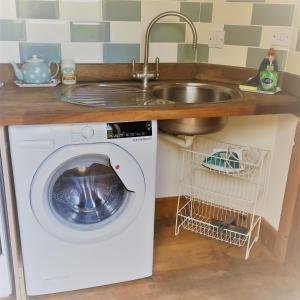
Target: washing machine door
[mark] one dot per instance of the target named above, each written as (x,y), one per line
(88,192)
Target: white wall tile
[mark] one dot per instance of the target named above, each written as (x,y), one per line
(80,10)
(293,63)
(7,9)
(266,37)
(231,13)
(82,52)
(9,51)
(296,23)
(47,31)
(229,55)
(203,30)
(126,32)
(167,52)
(151,9)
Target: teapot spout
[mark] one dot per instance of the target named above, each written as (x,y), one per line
(18,71)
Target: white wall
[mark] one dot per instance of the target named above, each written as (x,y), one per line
(272,132)
(280,160)
(293,65)
(168,166)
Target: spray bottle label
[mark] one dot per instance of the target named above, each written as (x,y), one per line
(268,80)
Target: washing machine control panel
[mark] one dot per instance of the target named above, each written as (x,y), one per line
(128,129)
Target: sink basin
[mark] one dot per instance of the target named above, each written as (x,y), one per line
(110,95)
(193,93)
(128,94)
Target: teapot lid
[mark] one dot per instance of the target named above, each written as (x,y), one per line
(34,59)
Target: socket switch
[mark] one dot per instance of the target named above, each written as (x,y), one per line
(281,37)
(216,39)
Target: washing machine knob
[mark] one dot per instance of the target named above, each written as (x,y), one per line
(87,132)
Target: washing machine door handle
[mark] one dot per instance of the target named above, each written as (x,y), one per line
(124,171)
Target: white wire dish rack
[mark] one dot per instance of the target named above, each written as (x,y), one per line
(221,191)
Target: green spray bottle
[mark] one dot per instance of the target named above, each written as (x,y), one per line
(268,77)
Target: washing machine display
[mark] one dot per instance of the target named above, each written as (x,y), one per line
(129,129)
(87,190)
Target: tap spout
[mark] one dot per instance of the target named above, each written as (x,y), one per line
(162,15)
(145,75)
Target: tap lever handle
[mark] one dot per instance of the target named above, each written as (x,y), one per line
(133,69)
(157,68)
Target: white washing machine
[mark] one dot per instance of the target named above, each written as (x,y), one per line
(85,200)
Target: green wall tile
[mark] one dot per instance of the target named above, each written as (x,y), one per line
(242,35)
(116,10)
(298,42)
(202,53)
(186,53)
(34,9)
(206,12)
(168,33)
(191,10)
(256,55)
(94,32)
(272,14)
(121,53)
(12,30)
(43,50)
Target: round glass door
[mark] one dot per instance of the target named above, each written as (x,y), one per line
(86,192)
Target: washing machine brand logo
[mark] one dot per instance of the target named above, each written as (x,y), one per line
(139,139)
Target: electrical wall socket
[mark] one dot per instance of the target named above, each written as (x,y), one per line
(216,39)
(281,37)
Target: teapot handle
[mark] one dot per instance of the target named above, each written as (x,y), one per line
(57,67)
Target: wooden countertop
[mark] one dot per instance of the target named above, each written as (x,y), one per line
(39,106)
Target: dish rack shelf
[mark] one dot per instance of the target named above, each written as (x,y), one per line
(221,191)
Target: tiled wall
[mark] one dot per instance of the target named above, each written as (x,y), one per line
(293,65)
(112,31)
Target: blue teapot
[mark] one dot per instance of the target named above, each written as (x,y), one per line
(35,70)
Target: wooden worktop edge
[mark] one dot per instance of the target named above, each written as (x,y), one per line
(38,106)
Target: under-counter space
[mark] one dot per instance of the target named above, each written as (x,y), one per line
(38,106)
(189,267)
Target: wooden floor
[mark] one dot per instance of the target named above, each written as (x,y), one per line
(190,266)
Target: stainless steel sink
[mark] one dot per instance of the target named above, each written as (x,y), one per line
(129,94)
(193,93)
(113,95)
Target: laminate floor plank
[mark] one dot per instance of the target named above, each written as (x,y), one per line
(190,266)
